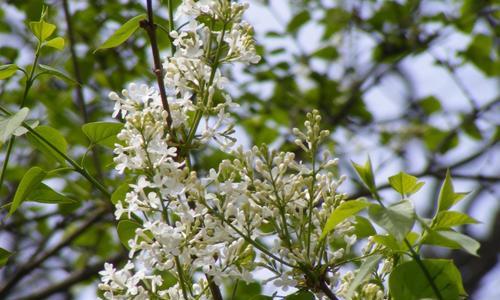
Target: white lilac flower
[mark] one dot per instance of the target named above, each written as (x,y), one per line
(195,223)
(241,44)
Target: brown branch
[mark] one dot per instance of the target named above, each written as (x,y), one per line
(35,262)
(150,27)
(214,289)
(80,100)
(73,278)
(326,290)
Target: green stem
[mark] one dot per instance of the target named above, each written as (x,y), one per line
(311,199)
(73,163)
(27,87)
(215,65)
(171,25)
(176,258)
(254,243)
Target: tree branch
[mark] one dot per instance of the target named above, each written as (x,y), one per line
(150,27)
(73,278)
(37,261)
(79,92)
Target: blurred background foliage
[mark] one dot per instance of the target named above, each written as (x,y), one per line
(412,83)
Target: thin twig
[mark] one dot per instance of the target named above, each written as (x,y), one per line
(37,261)
(80,100)
(73,278)
(150,28)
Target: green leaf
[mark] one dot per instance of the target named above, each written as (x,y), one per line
(447,196)
(298,20)
(59,74)
(447,219)
(364,271)
(480,54)
(126,231)
(387,240)
(22,130)
(4,256)
(301,295)
(453,240)
(119,194)
(342,212)
(10,124)
(470,128)
(103,133)
(409,282)
(7,71)
(328,53)
(45,194)
(245,290)
(439,140)
(363,227)
(123,33)
(365,173)
(397,219)
(42,30)
(54,137)
(30,180)
(430,105)
(57,42)
(405,184)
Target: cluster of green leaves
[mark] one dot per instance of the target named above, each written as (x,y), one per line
(412,276)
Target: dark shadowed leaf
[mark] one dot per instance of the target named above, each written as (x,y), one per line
(45,194)
(52,136)
(103,133)
(30,180)
(4,256)
(126,231)
(57,73)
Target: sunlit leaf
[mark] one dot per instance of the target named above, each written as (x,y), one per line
(405,184)
(365,173)
(342,212)
(7,71)
(42,30)
(448,219)
(364,271)
(123,33)
(57,43)
(409,282)
(452,239)
(11,123)
(447,196)
(397,219)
